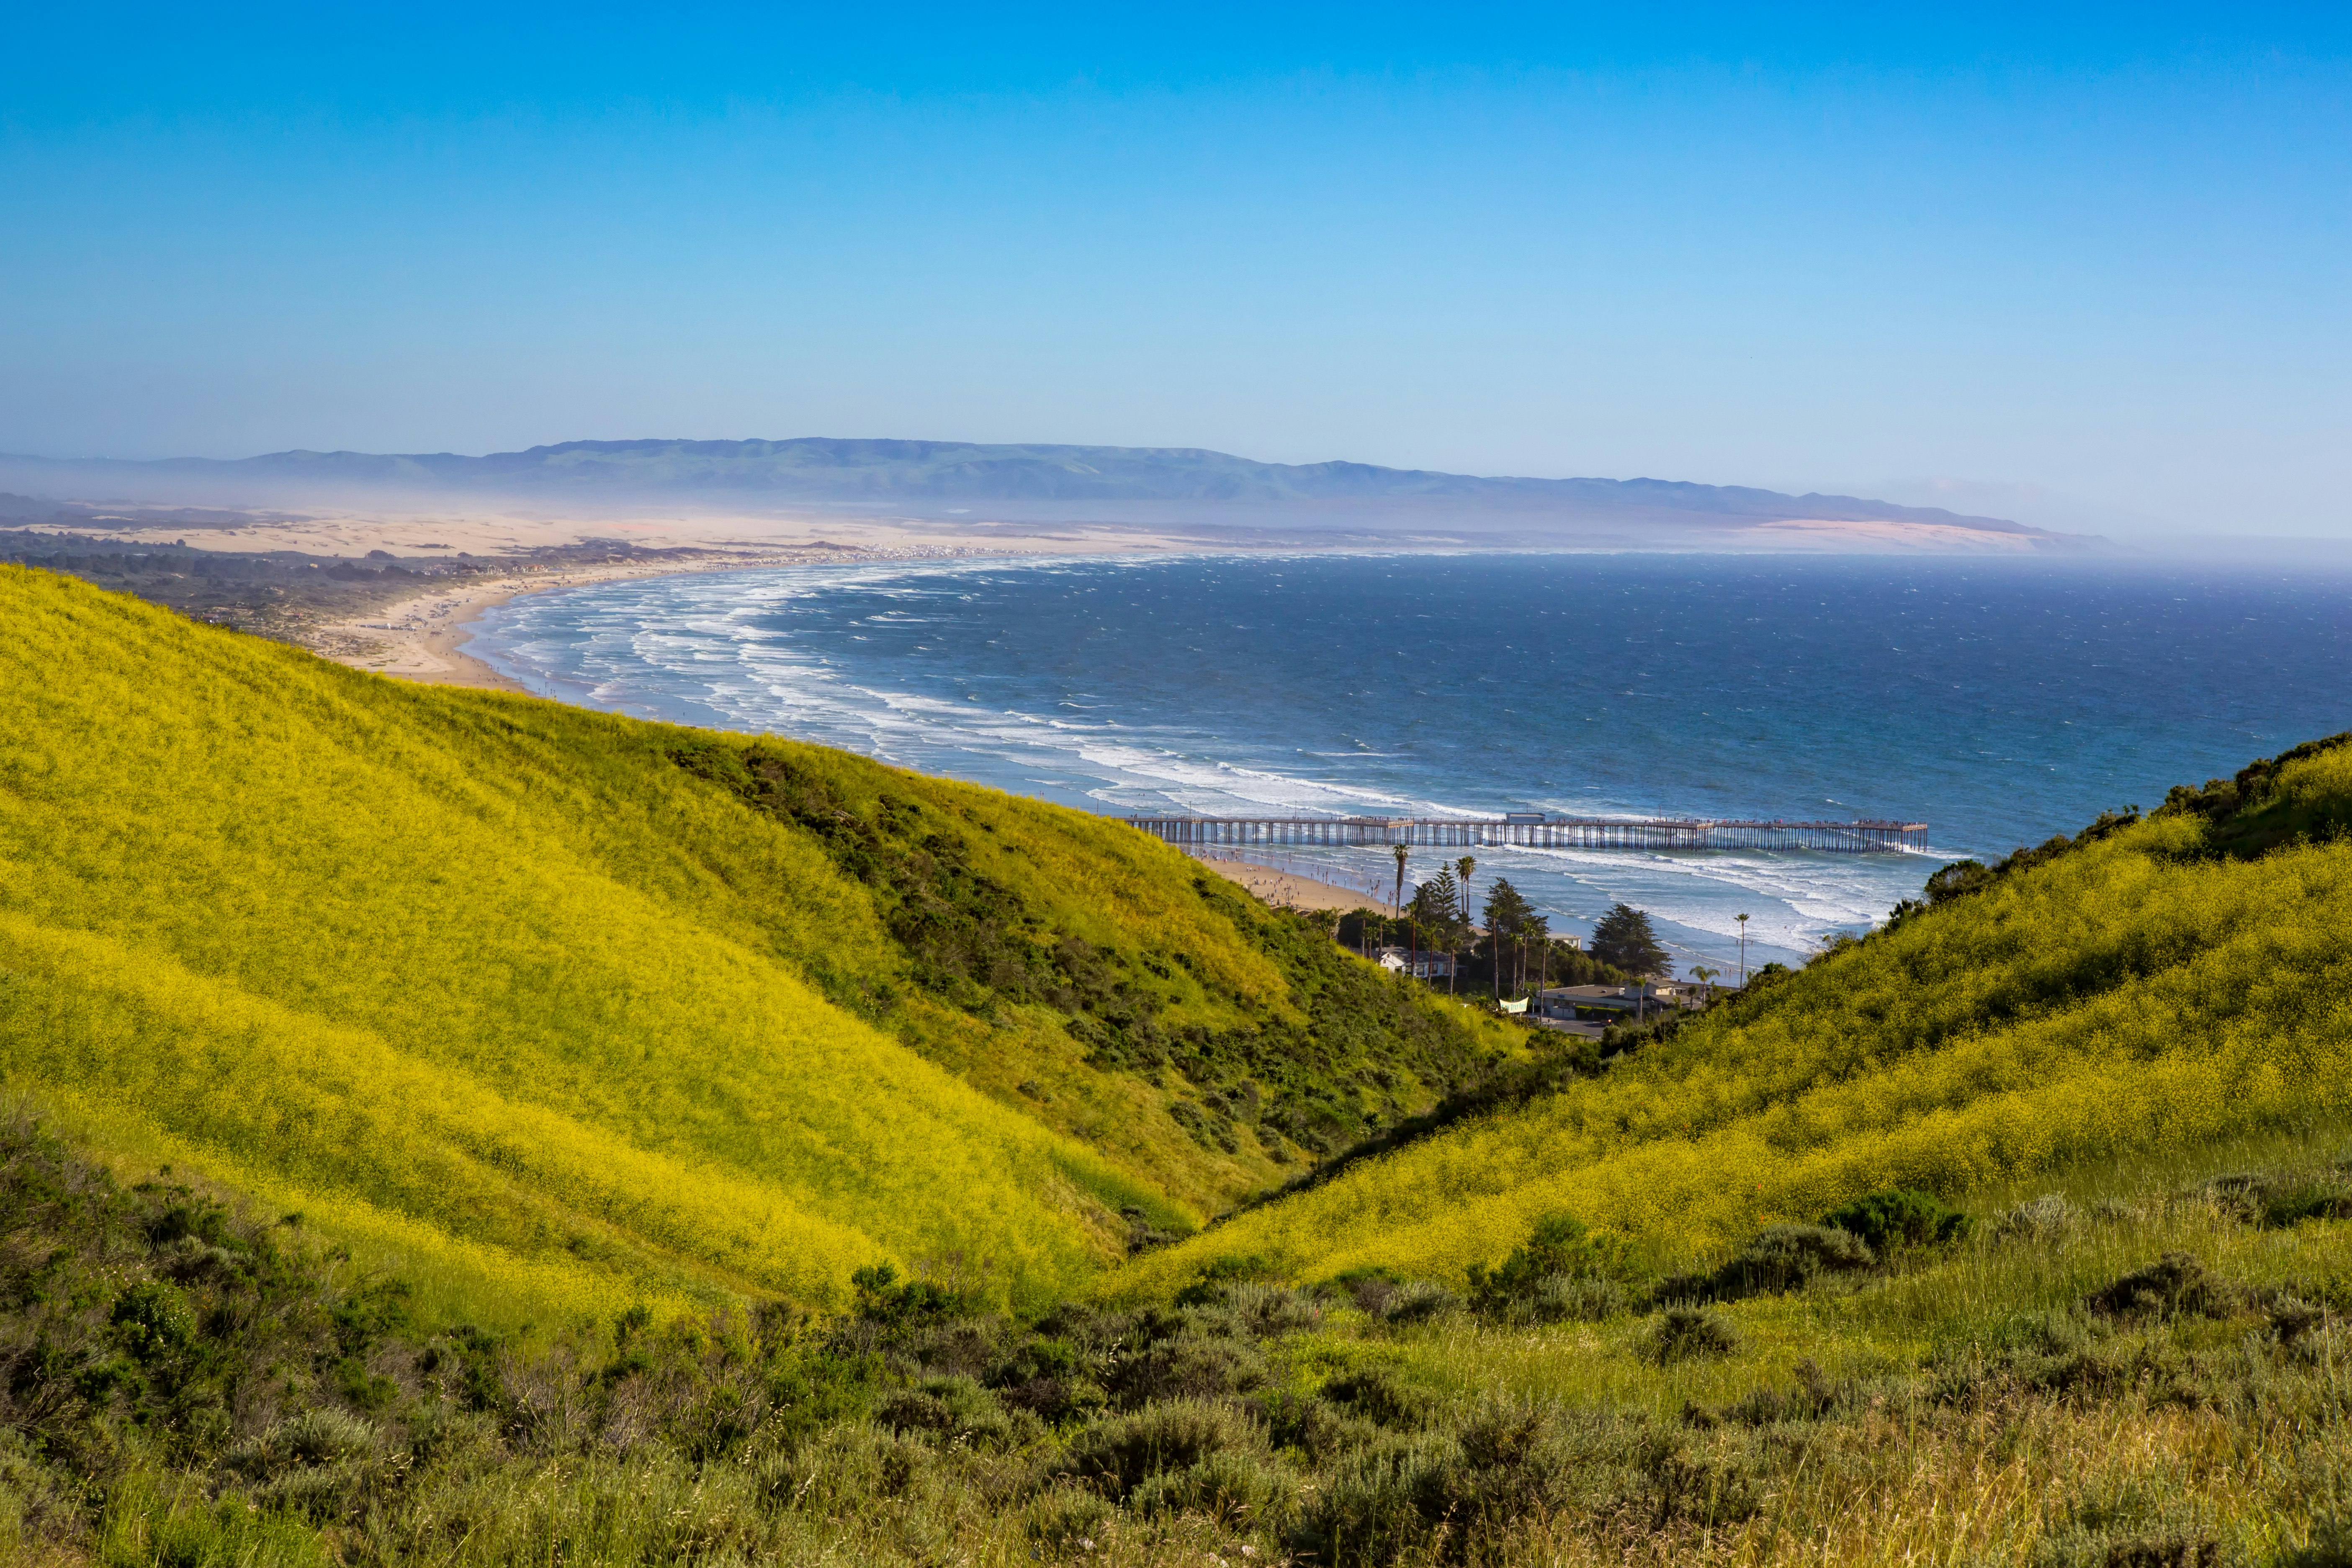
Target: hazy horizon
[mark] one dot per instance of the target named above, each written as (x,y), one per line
(2086,272)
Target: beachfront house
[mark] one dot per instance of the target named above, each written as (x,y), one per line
(1422,965)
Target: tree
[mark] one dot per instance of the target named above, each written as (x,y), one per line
(1436,904)
(1463,869)
(1507,917)
(1397,903)
(1961,877)
(1623,939)
(1538,929)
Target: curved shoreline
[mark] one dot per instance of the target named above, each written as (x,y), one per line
(423,638)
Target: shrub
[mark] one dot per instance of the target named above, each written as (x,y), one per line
(152,1320)
(1117,1455)
(1375,1394)
(2293,1319)
(847,1470)
(1368,1289)
(1448,1497)
(2045,1218)
(2330,1546)
(1780,1257)
(1191,1365)
(1312,1426)
(1688,1333)
(1267,1310)
(883,1299)
(1233,1487)
(1070,1520)
(324,1435)
(1376,1505)
(1900,1216)
(1559,1300)
(1559,1247)
(1216,1277)
(2292,1203)
(1418,1301)
(2175,1285)
(954,1410)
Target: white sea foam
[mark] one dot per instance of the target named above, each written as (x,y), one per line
(1314,686)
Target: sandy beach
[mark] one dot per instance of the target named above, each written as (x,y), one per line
(1278,886)
(424,638)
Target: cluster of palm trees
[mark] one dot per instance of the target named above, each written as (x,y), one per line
(1441,909)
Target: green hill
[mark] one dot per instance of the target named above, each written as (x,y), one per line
(2158,983)
(555,1011)
(2018,1232)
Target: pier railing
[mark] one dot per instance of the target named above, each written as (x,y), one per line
(1530,831)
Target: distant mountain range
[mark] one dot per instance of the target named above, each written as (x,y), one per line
(1022,482)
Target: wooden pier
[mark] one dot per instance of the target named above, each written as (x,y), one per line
(1531,831)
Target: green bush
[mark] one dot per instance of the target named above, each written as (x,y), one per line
(955,1410)
(1117,1455)
(2175,1285)
(1899,1216)
(1418,1301)
(1378,1504)
(152,1320)
(1780,1257)
(1236,1488)
(1559,1247)
(847,1470)
(1448,1496)
(1689,1333)
(2292,1203)
(1268,1310)
(2045,1218)
(1375,1394)
(1562,1300)
(1071,1521)
(1189,1364)
(1312,1426)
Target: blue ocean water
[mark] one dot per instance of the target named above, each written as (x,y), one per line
(1997,701)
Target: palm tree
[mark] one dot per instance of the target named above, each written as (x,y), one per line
(1431,906)
(1412,923)
(1463,869)
(1507,917)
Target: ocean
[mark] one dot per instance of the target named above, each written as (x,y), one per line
(1997,701)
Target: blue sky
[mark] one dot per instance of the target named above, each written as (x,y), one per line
(2088,267)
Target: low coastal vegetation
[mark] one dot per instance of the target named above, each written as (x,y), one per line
(2143,1362)
(457,1129)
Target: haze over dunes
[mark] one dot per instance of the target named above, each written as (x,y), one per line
(1162,487)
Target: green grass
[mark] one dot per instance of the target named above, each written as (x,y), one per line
(562,1010)
(1966,1402)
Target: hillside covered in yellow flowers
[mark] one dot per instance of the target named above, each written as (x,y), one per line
(555,1011)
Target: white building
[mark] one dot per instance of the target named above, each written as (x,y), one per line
(1422,965)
